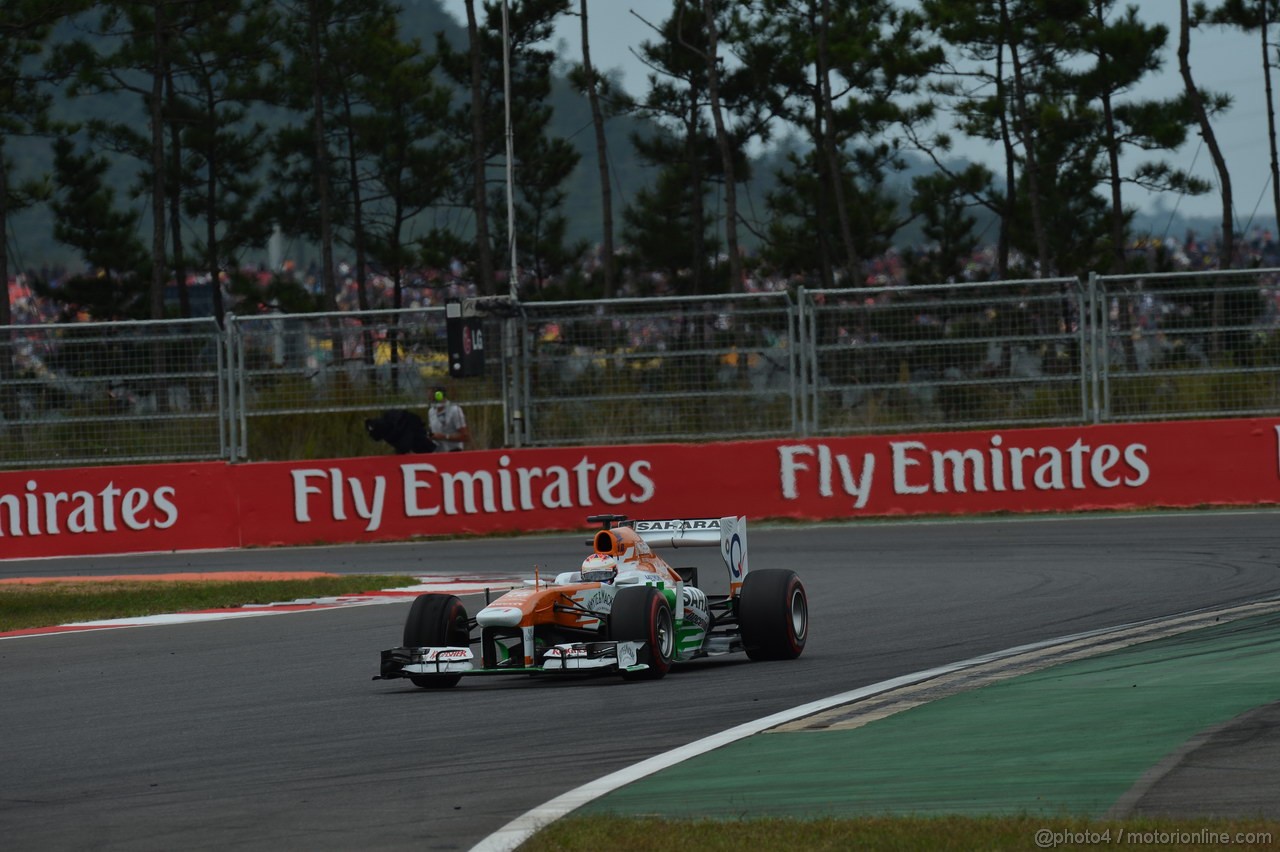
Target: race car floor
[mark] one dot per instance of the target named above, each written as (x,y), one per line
(1185,726)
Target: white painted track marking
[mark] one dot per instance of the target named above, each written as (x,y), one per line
(520,829)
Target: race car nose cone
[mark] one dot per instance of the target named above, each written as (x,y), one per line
(499,616)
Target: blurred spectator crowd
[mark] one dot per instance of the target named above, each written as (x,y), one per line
(421,288)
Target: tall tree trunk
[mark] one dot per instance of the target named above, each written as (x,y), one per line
(358,235)
(1117,204)
(1113,159)
(175,204)
(397,292)
(726,148)
(1028,134)
(602,158)
(320,157)
(360,240)
(484,248)
(1271,114)
(8,395)
(212,259)
(827,145)
(1227,255)
(159,264)
(6,310)
(1010,176)
(697,211)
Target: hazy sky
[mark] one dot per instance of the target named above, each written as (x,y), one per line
(1219,62)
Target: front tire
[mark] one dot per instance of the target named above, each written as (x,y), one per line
(434,621)
(642,614)
(773,612)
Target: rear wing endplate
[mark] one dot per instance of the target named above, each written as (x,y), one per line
(730,533)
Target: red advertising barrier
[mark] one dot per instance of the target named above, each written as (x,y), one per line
(83,511)
(174,507)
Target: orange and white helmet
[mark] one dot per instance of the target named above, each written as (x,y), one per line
(599,568)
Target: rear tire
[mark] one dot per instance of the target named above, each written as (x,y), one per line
(773,612)
(642,614)
(434,621)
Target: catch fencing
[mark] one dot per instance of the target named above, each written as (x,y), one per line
(810,363)
(946,356)
(304,383)
(660,369)
(1187,345)
(105,393)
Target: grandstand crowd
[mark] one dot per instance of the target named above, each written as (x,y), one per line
(435,286)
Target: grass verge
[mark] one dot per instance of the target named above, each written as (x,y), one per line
(589,834)
(24,606)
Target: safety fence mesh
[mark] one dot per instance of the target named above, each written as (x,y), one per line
(813,362)
(88,393)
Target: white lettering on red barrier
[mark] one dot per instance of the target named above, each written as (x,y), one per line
(429,491)
(917,469)
(40,512)
(217,505)
(793,462)
(1001,468)
(369,509)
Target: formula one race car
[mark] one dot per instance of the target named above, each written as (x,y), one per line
(624,610)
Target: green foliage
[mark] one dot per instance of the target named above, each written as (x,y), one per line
(1181,393)
(341,434)
(333,424)
(127,440)
(666,225)
(88,217)
(283,293)
(944,202)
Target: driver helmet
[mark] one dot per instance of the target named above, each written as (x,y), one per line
(599,568)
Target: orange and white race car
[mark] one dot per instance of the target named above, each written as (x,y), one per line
(625,610)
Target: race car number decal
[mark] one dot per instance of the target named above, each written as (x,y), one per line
(737,556)
(733,546)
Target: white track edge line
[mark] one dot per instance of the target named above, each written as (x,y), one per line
(520,829)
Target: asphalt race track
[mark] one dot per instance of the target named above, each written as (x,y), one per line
(267,733)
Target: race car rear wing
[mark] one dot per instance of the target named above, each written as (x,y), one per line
(730,533)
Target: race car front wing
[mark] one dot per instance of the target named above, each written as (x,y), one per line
(570,657)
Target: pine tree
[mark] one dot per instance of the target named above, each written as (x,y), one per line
(220,73)
(1259,15)
(668,225)
(1123,52)
(849,76)
(88,218)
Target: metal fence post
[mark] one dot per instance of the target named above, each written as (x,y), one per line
(1093,317)
(234,375)
(802,357)
(512,384)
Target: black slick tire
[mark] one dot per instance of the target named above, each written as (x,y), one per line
(434,621)
(773,612)
(642,614)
